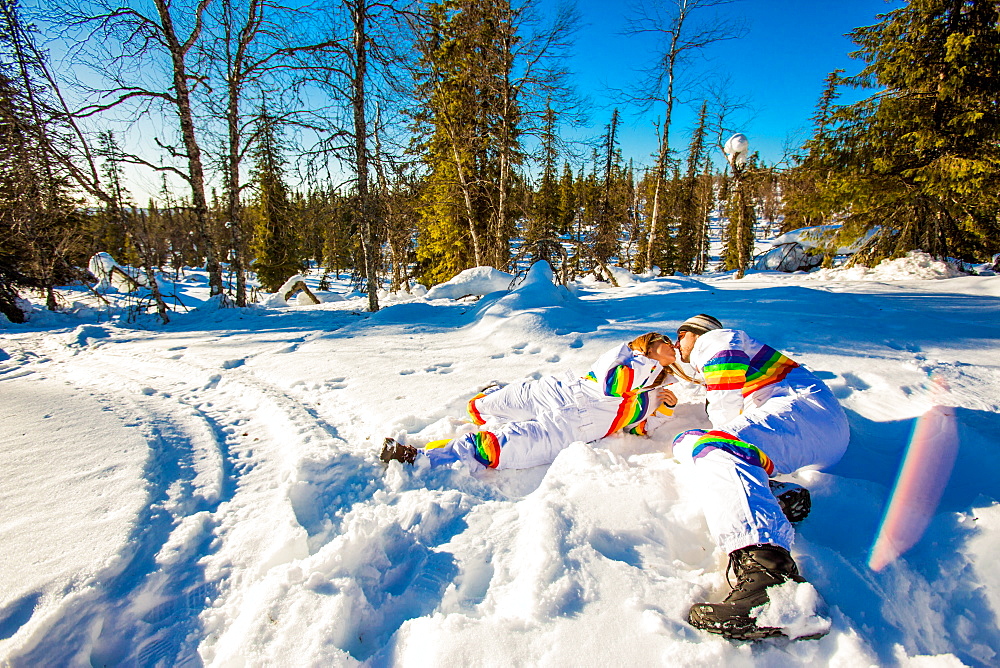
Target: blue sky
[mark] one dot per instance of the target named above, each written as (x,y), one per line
(789,48)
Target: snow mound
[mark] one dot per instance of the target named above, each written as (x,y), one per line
(626,277)
(917,265)
(86,335)
(300,298)
(477,281)
(528,309)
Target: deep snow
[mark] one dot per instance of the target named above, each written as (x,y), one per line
(208,492)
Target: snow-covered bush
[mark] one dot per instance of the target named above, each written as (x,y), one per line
(477,281)
(110,274)
(917,265)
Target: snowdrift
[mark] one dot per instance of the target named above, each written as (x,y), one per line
(208,492)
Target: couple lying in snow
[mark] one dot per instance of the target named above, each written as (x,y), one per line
(769,416)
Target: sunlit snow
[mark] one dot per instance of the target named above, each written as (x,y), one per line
(208,491)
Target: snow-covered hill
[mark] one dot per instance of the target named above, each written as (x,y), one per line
(208,492)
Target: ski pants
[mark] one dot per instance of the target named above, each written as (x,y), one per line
(800,426)
(529,424)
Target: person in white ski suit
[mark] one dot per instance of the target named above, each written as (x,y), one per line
(532,421)
(769,416)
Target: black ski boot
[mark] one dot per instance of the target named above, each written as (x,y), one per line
(397,452)
(757,567)
(794,499)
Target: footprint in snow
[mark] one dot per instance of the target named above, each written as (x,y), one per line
(444,367)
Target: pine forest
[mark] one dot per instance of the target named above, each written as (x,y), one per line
(400,142)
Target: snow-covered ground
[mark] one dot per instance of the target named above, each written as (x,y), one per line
(208,492)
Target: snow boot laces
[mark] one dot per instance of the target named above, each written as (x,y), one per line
(756,567)
(397,452)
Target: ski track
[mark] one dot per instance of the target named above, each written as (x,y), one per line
(207,467)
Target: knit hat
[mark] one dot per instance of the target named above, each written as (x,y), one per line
(699,324)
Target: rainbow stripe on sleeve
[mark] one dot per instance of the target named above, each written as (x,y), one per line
(720,440)
(630,410)
(619,381)
(474,414)
(634,405)
(487,448)
(727,370)
(766,368)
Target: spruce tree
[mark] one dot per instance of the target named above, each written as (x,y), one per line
(739,235)
(918,158)
(692,212)
(276,242)
(567,200)
(470,133)
(41,226)
(543,225)
(607,227)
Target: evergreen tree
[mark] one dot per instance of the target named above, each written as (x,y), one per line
(471,140)
(544,223)
(340,233)
(918,159)
(41,227)
(276,243)
(109,230)
(739,235)
(567,200)
(607,228)
(692,212)
(625,209)
(706,201)
(804,202)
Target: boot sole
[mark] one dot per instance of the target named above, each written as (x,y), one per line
(742,629)
(795,501)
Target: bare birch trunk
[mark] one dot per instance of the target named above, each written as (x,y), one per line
(182,99)
(368,237)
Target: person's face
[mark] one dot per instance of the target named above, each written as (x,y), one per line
(662,352)
(685,344)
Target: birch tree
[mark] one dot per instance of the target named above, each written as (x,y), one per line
(679,34)
(146,54)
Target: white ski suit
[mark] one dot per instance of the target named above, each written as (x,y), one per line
(532,421)
(769,415)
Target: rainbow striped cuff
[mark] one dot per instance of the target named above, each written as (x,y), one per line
(486,448)
(630,410)
(474,414)
(638,429)
(720,440)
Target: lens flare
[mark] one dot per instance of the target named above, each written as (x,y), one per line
(927,466)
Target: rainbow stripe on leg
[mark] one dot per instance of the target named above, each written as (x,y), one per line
(474,414)
(487,448)
(720,440)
